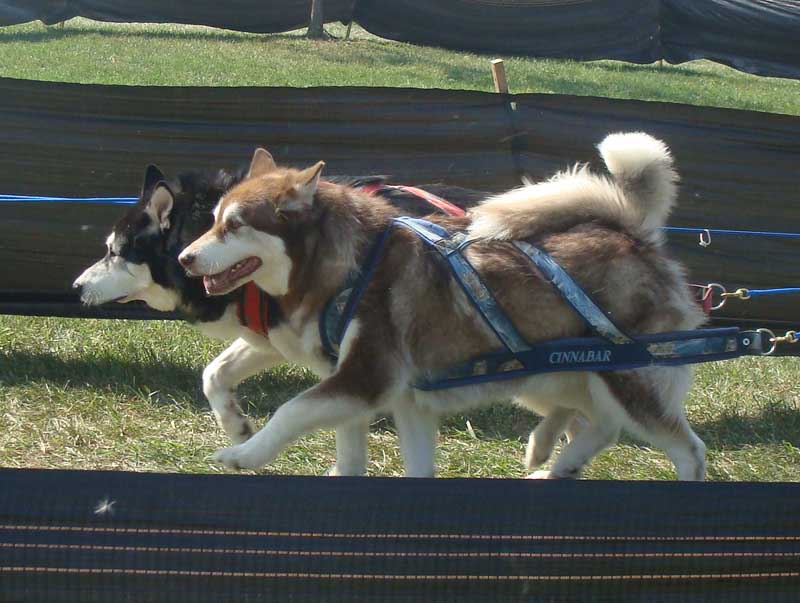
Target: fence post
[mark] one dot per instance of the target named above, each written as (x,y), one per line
(316,22)
(499,76)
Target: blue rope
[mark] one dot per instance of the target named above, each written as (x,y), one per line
(721,231)
(131,200)
(779,291)
(41,199)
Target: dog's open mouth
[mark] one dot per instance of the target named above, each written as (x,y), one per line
(222,282)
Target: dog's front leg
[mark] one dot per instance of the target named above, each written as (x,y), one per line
(365,380)
(220,378)
(313,409)
(351,449)
(417,429)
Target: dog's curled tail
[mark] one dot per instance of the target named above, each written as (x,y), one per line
(639,197)
(642,167)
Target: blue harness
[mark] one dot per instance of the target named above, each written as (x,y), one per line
(609,349)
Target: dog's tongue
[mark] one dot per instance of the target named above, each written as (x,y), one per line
(215,283)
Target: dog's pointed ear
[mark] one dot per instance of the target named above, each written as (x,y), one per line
(262,163)
(152,176)
(301,195)
(159,205)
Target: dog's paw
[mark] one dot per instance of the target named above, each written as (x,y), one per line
(234,458)
(536,456)
(539,475)
(334,471)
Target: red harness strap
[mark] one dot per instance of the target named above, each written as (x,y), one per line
(704,296)
(252,309)
(436,201)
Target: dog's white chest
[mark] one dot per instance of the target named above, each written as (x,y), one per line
(301,345)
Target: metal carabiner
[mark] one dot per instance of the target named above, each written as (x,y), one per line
(705,238)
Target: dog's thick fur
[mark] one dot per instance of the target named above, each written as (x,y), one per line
(307,236)
(141,263)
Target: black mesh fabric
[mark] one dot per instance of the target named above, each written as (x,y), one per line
(738,168)
(112,536)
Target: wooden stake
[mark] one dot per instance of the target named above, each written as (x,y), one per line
(499,76)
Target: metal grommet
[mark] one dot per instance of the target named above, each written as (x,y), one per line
(746,341)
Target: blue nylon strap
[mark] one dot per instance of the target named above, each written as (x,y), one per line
(339,311)
(727,231)
(597,354)
(573,293)
(450,247)
(42,199)
(778,291)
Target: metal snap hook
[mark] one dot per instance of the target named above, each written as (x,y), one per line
(722,295)
(772,339)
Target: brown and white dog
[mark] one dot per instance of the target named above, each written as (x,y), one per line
(299,239)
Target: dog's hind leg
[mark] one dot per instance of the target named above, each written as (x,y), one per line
(684,448)
(544,437)
(580,451)
(654,399)
(604,420)
(417,429)
(220,378)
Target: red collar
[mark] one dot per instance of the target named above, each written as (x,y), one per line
(252,309)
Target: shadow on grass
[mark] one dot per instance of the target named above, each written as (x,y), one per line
(262,394)
(117,376)
(776,424)
(107,373)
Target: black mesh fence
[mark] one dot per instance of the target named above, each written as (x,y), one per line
(757,37)
(110,536)
(738,167)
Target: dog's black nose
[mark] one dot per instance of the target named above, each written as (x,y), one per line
(186,259)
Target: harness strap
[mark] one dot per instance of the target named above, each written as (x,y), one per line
(339,311)
(573,293)
(597,354)
(450,247)
(611,350)
(442,204)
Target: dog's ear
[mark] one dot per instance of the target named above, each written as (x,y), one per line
(305,186)
(159,205)
(261,164)
(152,176)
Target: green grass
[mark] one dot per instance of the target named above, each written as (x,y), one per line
(127,395)
(86,51)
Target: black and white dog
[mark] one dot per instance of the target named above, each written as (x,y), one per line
(141,264)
